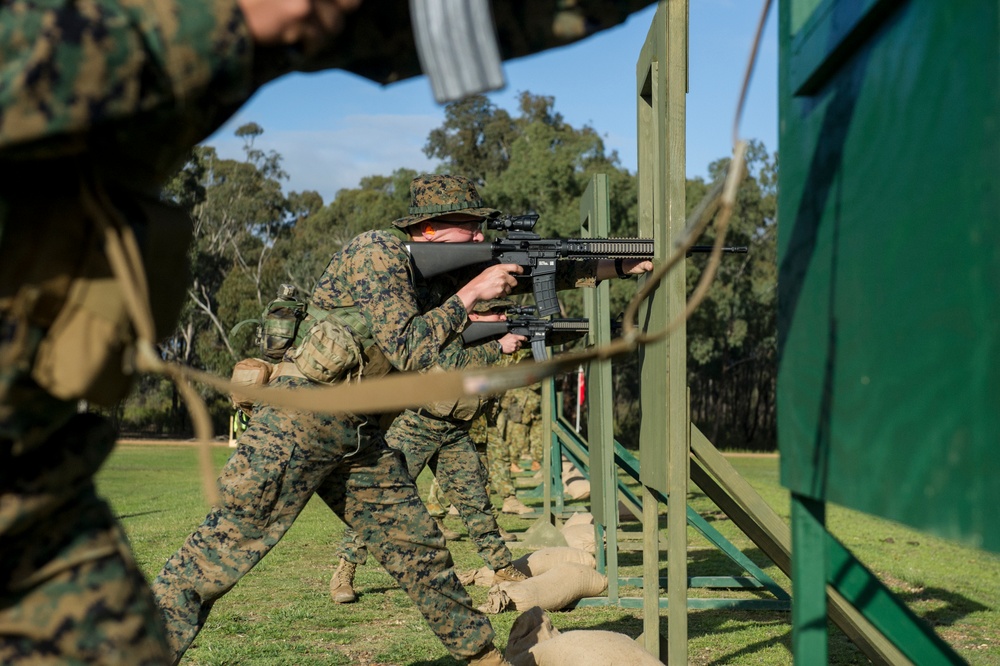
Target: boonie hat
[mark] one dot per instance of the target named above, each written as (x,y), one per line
(483,307)
(433,196)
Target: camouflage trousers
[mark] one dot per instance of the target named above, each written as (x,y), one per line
(438,505)
(70,592)
(498,454)
(447,448)
(525,441)
(281,460)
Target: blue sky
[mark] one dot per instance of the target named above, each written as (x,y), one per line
(333,128)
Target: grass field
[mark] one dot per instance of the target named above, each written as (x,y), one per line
(281,614)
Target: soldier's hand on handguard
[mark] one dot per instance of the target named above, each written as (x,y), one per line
(637,267)
(493,282)
(608,269)
(511,343)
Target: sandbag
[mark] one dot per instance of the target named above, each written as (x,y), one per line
(580,536)
(577,489)
(482,576)
(546,559)
(579,518)
(532,564)
(557,588)
(575,484)
(535,642)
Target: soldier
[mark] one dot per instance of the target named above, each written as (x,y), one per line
(369,294)
(101,101)
(487,433)
(438,436)
(523,406)
(501,453)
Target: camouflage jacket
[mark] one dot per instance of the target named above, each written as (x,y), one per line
(415,323)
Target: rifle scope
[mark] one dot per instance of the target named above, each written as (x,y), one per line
(522,310)
(513,222)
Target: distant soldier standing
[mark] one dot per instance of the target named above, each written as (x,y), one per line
(499,451)
(523,406)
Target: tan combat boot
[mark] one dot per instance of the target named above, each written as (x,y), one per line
(449,534)
(490,656)
(514,506)
(508,574)
(342,583)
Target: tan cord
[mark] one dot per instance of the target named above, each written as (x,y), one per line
(125,258)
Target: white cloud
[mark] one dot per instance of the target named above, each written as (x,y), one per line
(329,160)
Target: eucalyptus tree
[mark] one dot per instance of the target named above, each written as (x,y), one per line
(239,211)
(732,343)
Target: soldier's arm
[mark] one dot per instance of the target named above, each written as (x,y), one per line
(68,69)
(381,286)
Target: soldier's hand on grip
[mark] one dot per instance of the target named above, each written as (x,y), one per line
(493,282)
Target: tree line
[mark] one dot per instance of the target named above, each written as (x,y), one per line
(251,236)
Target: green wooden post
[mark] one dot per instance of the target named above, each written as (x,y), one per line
(661,87)
(809,634)
(595,223)
(547,462)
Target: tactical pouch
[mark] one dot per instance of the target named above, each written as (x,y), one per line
(462,409)
(329,352)
(253,372)
(515,409)
(279,326)
(532,407)
(64,287)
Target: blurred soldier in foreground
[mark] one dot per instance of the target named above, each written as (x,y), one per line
(99,102)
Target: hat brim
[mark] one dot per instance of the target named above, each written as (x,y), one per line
(410,220)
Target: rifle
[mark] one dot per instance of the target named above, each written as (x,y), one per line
(536,255)
(541,332)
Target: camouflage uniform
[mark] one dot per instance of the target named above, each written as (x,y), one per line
(281,460)
(445,446)
(486,433)
(498,457)
(285,456)
(523,406)
(142,82)
(437,437)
